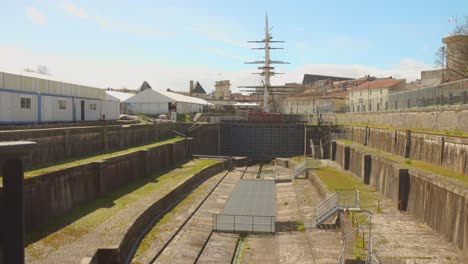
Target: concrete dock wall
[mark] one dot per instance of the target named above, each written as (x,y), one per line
(437,201)
(55,193)
(339,155)
(59,144)
(441,118)
(384,177)
(440,205)
(448,151)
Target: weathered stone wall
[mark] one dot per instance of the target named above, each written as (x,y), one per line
(384,177)
(445,150)
(340,153)
(455,154)
(426,147)
(435,200)
(440,205)
(59,144)
(55,193)
(356,162)
(443,118)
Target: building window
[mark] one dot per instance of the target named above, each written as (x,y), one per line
(360,93)
(380,91)
(62,104)
(25,103)
(92,106)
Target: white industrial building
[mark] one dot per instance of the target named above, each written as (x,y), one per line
(155,102)
(25,98)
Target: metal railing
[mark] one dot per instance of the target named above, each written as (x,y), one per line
(325,208)
(243,223)
(348,198)
(339,200)
(371,257)
(306,164)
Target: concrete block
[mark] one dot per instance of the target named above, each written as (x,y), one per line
(333,150)
(346,158)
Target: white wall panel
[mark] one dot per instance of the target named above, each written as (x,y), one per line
(19,114)
(111,109)
(50,109)
(5,107)
(65,89)
(42,86)
(27,84)
(1,80)
(54,87)
(12,81)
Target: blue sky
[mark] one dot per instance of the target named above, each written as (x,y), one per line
(121,43)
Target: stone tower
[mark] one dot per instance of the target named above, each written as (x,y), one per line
(223,89)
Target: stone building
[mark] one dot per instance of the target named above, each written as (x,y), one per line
(373,95)
(223,89)
(196,90)
(457,57)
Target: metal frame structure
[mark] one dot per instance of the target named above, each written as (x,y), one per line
(267,71)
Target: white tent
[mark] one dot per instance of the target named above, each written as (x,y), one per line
(152,101)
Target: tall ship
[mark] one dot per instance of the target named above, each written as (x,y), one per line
(269,92)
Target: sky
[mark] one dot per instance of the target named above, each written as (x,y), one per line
(168,43)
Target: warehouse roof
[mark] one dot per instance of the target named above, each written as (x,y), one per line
(160,96)
(120,96)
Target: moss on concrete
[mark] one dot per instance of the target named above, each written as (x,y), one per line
(75,162)
(413,129)
(410,163)
(87,217)
(338,179)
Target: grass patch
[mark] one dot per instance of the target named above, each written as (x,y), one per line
(417,164)
(345,141)
(74,162)
(183,118)
(337,179)
(300,225)
(413,129)
(436,169)
(85,218)
(298,159)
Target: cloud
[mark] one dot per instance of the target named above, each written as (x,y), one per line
(223,53)
(213,32)
(124,26)
(407,68)
(74,10)
(348,43)
(36,16)
(102,73)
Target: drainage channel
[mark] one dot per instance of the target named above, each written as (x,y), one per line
(237,257)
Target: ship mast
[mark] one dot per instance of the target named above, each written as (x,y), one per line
(267,71)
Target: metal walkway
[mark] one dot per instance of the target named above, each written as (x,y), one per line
(250,208)
(336,202)
(305,165)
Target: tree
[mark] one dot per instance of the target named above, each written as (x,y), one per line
(40,69)
(453,57)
